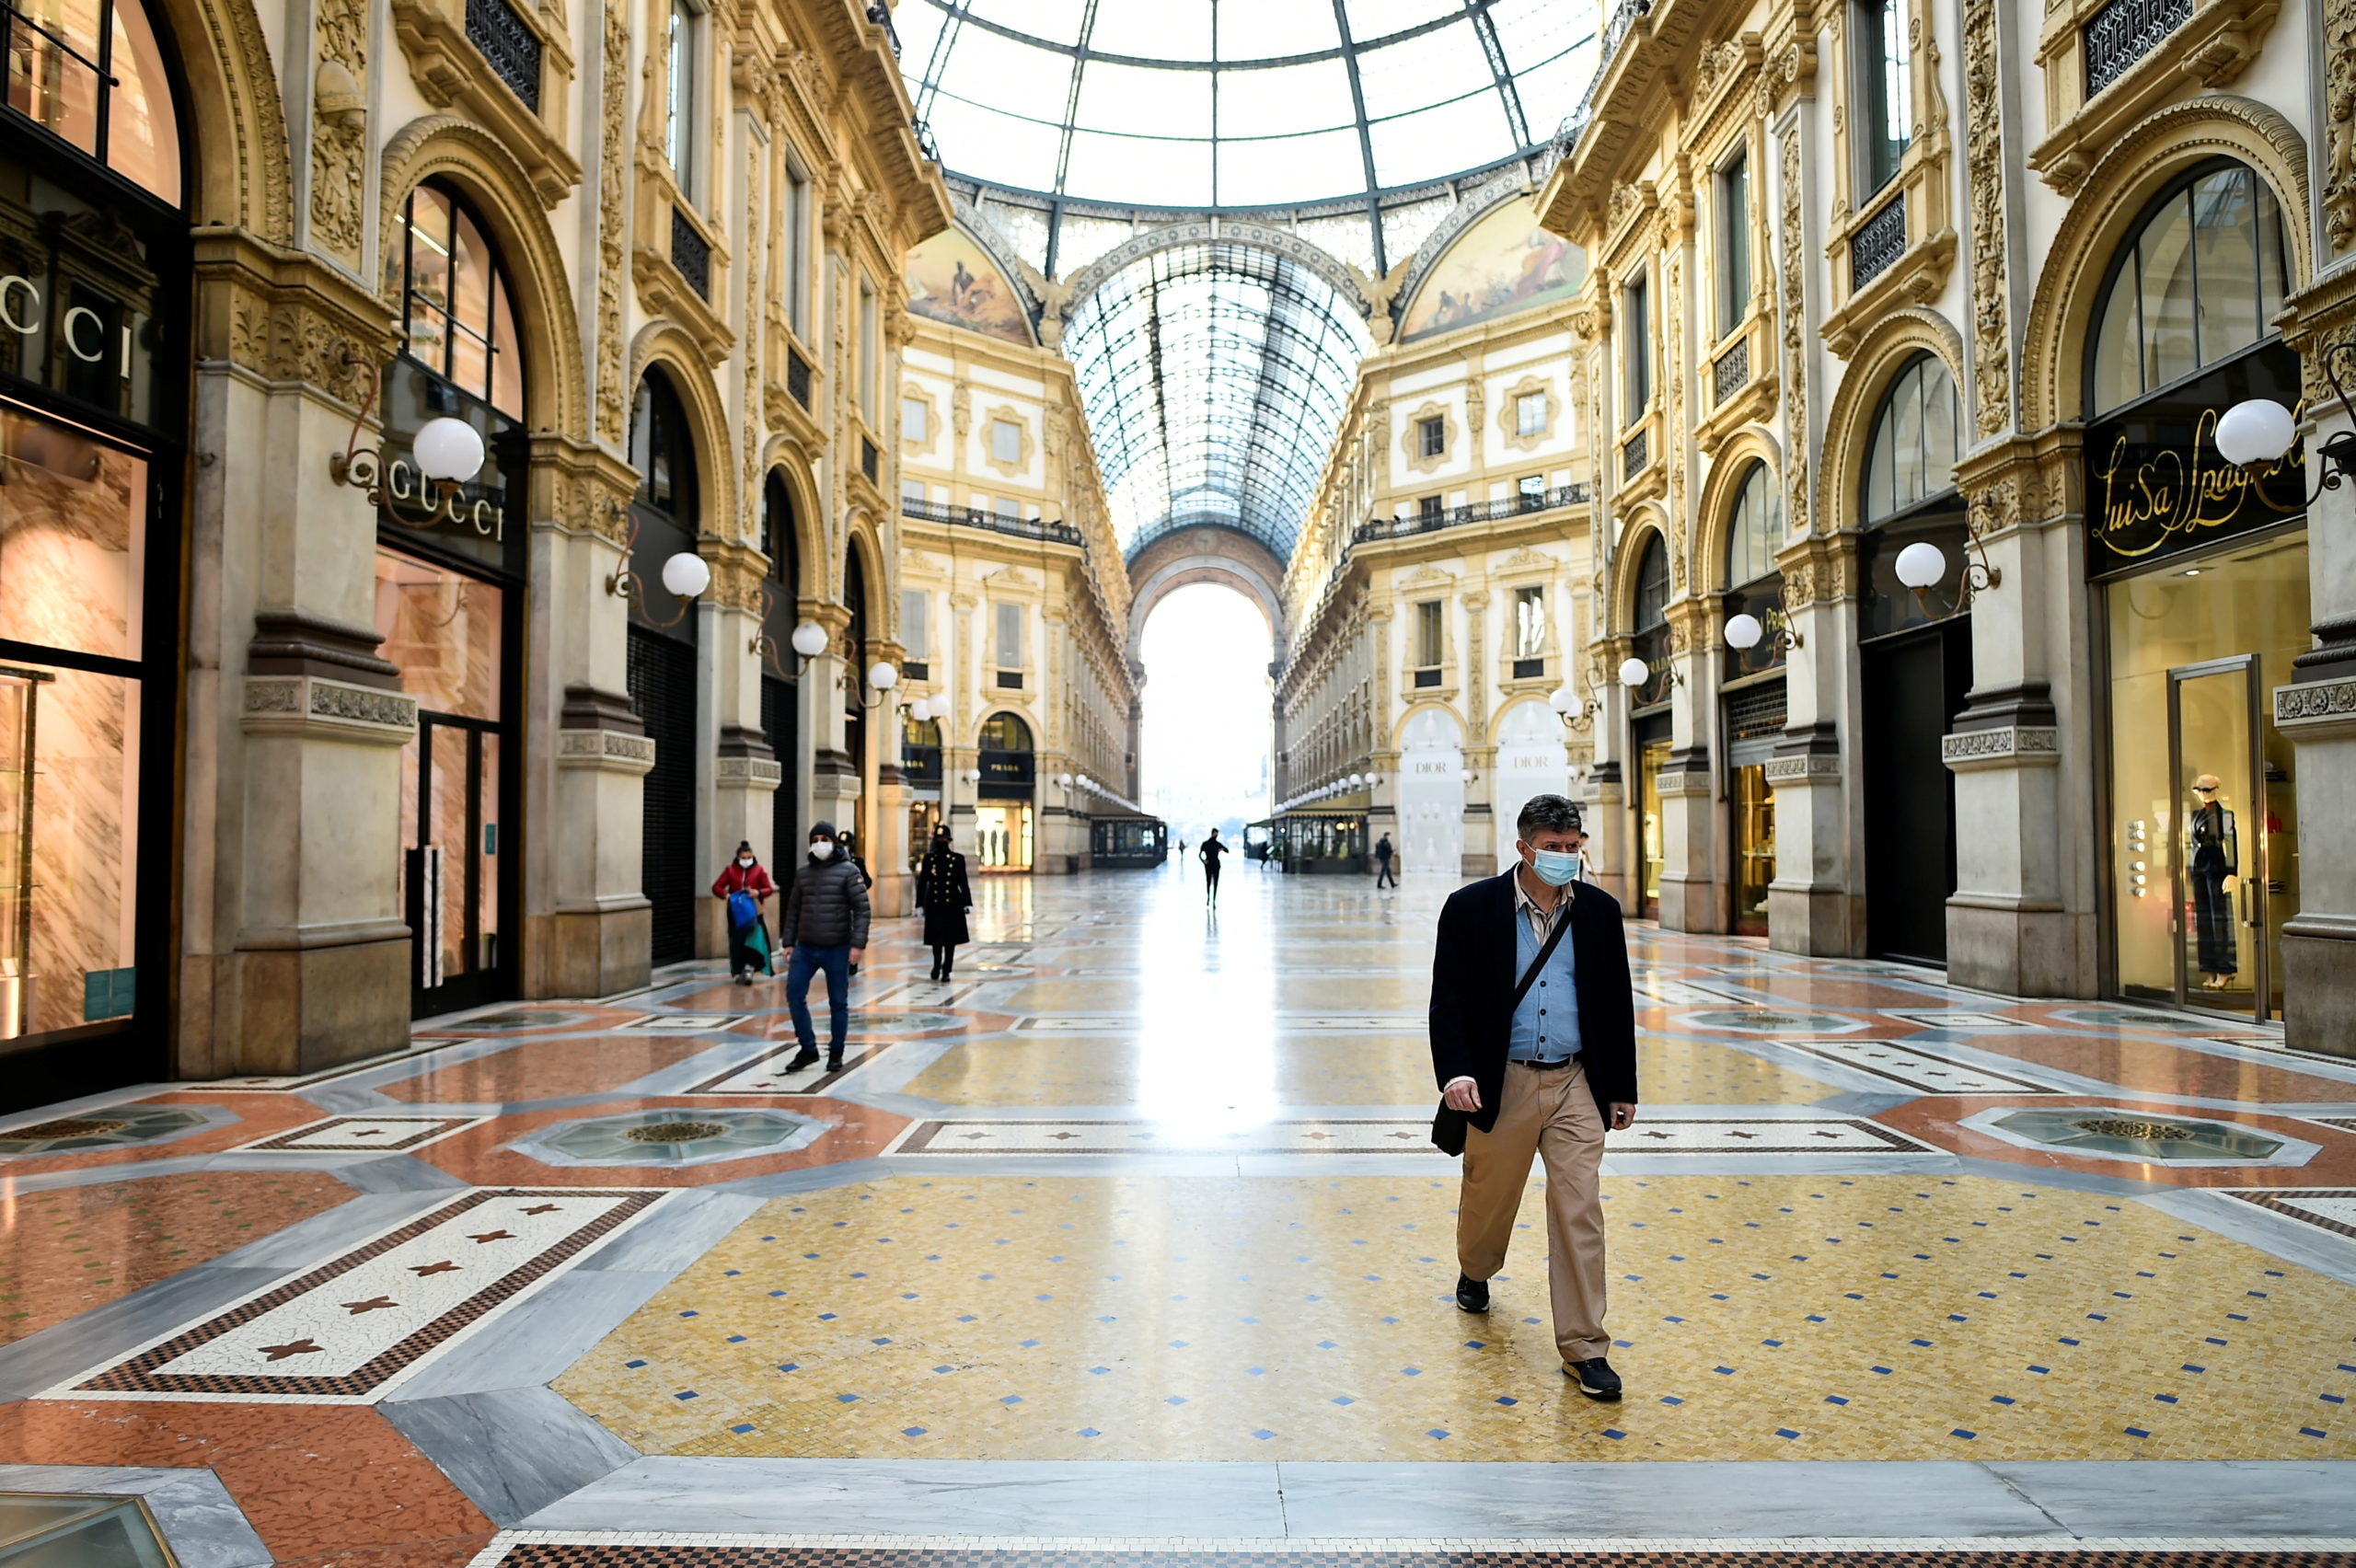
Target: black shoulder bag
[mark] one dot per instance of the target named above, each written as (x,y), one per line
(1449,1123)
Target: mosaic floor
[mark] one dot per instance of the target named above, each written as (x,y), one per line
(1129,1244)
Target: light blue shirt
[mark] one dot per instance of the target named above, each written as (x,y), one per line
(1546,1025)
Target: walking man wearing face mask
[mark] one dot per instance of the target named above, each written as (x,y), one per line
(1534,1041)
(826,925)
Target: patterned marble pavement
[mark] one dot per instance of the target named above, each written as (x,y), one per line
(1127,1245)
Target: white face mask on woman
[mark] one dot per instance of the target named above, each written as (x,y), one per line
(745,862)
(822,848)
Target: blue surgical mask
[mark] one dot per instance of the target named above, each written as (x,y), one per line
(1555,867)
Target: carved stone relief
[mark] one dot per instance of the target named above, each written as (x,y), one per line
(613,179)
(1991,375)
(340,130)
(2340,121)
(1794,303)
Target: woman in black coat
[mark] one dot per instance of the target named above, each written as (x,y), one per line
(943,895)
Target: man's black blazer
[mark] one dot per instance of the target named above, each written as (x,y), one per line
(1476,965)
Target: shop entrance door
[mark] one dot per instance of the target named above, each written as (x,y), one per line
(453,865)
(1914,685)
(2218,851)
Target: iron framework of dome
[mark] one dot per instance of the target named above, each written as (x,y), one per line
(1240,105)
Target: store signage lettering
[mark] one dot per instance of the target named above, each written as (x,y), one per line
(2147,499)
(83,329)
(409,500)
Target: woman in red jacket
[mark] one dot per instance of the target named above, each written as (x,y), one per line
(747,943)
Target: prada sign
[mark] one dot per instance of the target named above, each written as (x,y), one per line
(2156,484)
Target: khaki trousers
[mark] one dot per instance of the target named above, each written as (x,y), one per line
(1551,1111)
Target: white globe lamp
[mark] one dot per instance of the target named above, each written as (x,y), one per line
(1564,701)
(686,574)
(1064,779)
(882,676)
(1743,633)
(447,450)
(1634,673)
(2260,430)
(809,640)
(1922,564)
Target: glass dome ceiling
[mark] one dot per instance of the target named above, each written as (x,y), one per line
(1213,378)
(1225,104)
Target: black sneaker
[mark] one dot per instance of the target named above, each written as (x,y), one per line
(803,1058)
(1596,1378)
(1472,1294)
(834,1061)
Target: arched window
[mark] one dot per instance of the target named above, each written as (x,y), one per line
(91,73)
(457,311)
(1005,732)
(1652,586)
(1751,530)
(662,451)
(1911,457)
(777,536)
(2200,280)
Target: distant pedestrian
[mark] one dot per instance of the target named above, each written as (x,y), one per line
(851,852)
(1534,1044)
(1210,852)
(744,885)
(946,899)
(1182,859)
(1382,859)
(825,924)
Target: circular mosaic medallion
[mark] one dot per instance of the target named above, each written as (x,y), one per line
(2134,1018)
(903,1022)
(2126,1136)
(129,1124)
(661,1136)
(1770,1020)
(526,1018)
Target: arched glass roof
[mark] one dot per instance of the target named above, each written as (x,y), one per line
(1213,376)
(1226,104)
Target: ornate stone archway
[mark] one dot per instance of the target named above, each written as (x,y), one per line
(1204,554)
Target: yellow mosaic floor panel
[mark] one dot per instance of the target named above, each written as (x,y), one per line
(1676,1071)
(1866,1317)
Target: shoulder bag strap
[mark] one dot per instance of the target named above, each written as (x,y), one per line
(1561,925)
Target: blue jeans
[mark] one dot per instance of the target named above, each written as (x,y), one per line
(807,960)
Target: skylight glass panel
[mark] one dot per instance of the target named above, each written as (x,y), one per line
(1439,142)
(1371,19)
(1532,30)
(1552,89)
(1157,30)
(1057,20)
(1139,101)
(995,146)
(1282,100)
(1022,78)
(1432,69)
(1290,170)
(919,26)
(1136,168)
(1267,31)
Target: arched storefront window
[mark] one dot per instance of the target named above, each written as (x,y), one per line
(1652,618)
(93,428)
(1649,729)
(665,520)
(2204,588)
(663,450)
(2201,279)
(781,704)
(457,307)
(1908,493)
(92,76)
(1003,808)
(449,600)
(1911,456)
(1752,529)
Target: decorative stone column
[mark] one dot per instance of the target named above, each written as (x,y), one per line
(1688,886)
(1610,831)
(1816,904)
(834,782)
(2021,920)
(2317,709)
(744,772)
(886,845)
(294,954)
(587,928)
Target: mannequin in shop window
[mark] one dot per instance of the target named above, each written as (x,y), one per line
(2216,857)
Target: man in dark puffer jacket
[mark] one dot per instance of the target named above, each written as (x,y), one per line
(825,924)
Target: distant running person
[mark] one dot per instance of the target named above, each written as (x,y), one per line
(1211,850)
